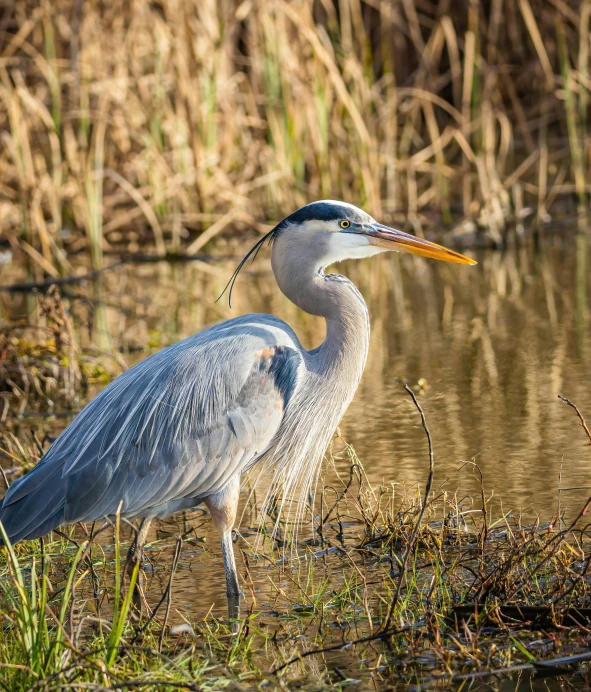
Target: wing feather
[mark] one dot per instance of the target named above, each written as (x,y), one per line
(175,427)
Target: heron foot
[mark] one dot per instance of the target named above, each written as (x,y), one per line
(234,612)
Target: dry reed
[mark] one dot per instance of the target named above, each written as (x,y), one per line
(126,123)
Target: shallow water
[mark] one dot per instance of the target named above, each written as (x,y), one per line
(492,346)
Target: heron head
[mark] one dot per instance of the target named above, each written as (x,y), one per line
(322,233)
(337,231)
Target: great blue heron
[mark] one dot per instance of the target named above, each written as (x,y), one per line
(181,427)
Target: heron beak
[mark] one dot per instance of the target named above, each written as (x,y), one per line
(391,239)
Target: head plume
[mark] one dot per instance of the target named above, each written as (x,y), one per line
(253,252)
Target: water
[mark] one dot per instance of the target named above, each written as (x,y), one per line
(492,346)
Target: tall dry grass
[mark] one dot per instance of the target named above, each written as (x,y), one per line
(172,121)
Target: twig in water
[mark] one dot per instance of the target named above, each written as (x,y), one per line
(579,414)
(341,495)
(61,281)
(483,535)
(552,664)
(85,556)
(168,593)
(417,525)
(251,583)
(559,512)
(343,646)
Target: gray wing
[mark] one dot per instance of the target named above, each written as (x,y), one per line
(178,425)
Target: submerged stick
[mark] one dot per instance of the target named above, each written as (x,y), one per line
(342,646)
(166,596)
(58,281)
(138,258)
(168,592)
(415,531)
(554,664)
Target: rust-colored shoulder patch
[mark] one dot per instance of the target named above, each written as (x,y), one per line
(267,352)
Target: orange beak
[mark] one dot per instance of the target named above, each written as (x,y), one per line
(391,239)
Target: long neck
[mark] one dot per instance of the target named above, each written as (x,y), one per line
(332,373)
(344,351)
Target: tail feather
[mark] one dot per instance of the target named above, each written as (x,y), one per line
(33,480)
(38,529)
(34,505)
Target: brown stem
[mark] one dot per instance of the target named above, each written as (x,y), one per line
(579,414)
(417,525)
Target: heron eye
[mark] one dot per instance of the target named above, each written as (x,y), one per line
(344,223)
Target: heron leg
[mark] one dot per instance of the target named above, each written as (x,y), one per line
(135,554)
(233,587)
(222,507)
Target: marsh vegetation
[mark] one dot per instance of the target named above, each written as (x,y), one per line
(414,588)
